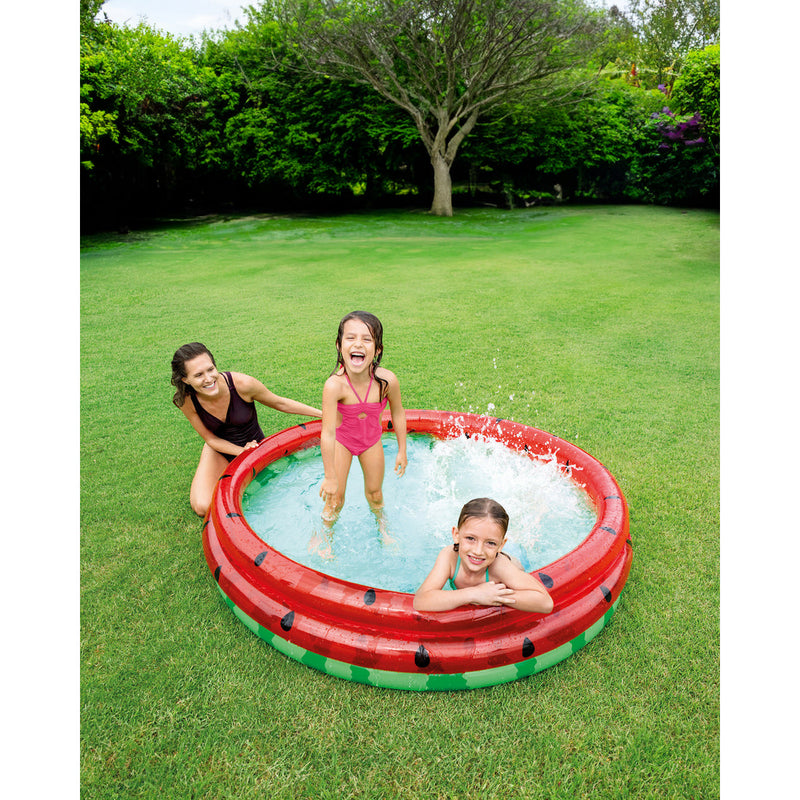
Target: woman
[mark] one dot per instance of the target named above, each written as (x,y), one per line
(221,408)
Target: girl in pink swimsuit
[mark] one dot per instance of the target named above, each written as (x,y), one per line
(353,400)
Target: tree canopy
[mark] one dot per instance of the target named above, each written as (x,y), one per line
(253,117)
(444,62)
(669,29)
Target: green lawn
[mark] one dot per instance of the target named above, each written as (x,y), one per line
(600,325)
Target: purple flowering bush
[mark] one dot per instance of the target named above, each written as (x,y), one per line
(676,162)
(674,133)
(678,147)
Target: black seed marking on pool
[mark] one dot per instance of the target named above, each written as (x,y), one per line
(288,621)
(527,648)
(421,658)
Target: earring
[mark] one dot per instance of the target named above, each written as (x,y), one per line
(455,546)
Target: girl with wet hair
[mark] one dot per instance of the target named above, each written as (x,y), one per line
(353,400)
(472,571)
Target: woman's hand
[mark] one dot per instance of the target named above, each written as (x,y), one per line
(400,464)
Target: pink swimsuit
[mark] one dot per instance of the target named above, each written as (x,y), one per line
(361,422)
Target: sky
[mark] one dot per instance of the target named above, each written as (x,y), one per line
(178,17)
(188,17)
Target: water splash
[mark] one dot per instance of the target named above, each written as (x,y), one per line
(549,513)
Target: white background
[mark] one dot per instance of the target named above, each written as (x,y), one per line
(41,341)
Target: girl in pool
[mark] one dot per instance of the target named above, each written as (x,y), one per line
(223,412)
(353,398)
(477,570)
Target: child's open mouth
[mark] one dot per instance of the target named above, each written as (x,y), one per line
(357,358)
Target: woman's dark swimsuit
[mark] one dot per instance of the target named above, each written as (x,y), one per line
(241,422)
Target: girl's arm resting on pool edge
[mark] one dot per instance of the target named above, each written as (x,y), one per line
(508,586)
(250,388)
(431,597)
(528,592)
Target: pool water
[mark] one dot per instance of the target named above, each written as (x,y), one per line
(549,512)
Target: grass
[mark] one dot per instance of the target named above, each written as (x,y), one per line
(600,325)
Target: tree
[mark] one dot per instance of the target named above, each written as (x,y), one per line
(669,29)
(89,10)
(143,109)
(290,140)
(697,88)
(678,160)
(97,125)
(444,62)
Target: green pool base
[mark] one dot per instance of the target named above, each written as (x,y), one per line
(421,681)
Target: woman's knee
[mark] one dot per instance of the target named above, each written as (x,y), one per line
(200,507)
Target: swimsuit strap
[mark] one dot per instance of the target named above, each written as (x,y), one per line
(354,388)
(455,572)
(202,410)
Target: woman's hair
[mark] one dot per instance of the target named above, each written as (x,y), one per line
(376,329)
(484,507)
(183,354)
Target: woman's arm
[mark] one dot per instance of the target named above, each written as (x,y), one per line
(215,442)
(251,389)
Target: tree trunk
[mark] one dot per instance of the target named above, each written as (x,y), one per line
(442,205)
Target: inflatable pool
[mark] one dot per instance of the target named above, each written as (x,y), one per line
(374,636)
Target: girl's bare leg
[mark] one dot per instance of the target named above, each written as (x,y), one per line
(373,466)
(343,458)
